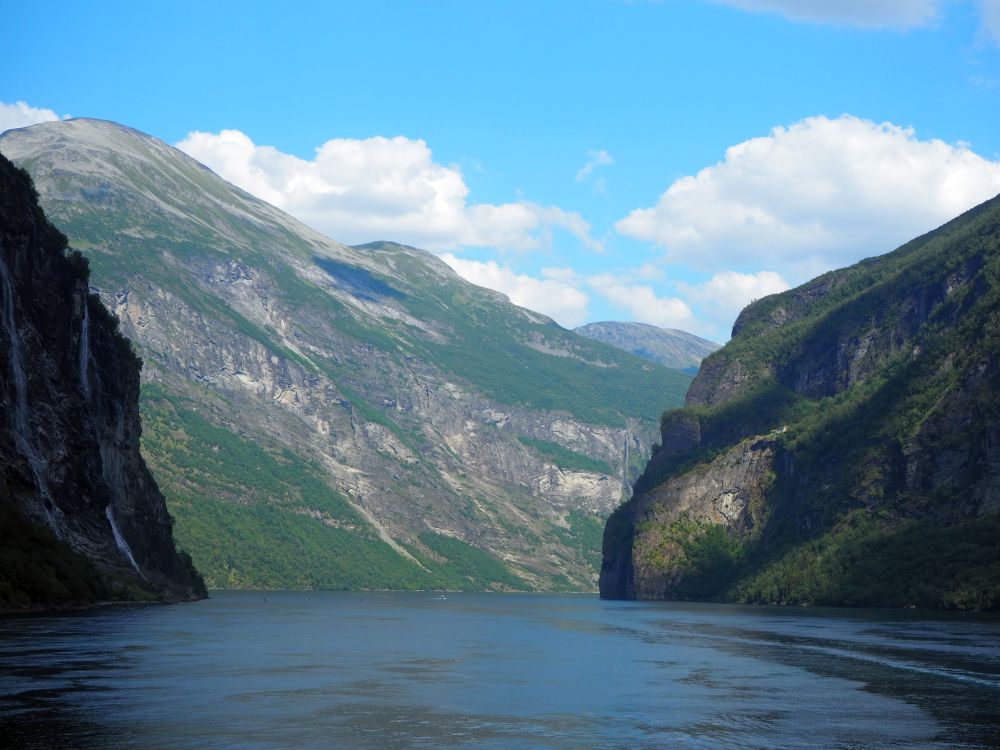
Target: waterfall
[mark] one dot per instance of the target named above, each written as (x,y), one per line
(120,540)
(22,422)
(85,348)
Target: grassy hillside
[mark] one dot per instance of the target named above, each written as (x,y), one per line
(262,518)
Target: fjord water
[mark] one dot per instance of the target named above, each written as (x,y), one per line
(397,670)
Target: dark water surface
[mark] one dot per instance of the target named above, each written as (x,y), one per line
(395,670)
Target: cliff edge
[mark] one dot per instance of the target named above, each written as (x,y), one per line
(81,518)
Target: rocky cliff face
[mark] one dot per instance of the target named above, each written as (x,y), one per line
(841,449)
(360,408)
(70,458)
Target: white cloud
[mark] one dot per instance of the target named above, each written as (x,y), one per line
(865,14)
(817,195)
(898,15)
(642,303)
(359,190)
(21,115)
(565,275)
(649,272)
(556,295)
(594,159)
(520,226)
(722,297)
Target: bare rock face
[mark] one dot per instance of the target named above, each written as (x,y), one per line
(680,432)
(727,492)
(70,456)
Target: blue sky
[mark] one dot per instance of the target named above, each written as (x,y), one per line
(656,161)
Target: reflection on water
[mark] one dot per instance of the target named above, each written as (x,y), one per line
(498,671)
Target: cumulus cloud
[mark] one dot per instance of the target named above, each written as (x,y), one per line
(358,190)
(642,303)
(556,295)
(721,298)
(21,115)
(865,14)
(820,194)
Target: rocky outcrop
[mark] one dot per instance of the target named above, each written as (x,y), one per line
(726,492)
(841,449)
(70,457)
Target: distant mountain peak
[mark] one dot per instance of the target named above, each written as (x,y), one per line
(666,346)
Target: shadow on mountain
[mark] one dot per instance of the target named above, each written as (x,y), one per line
(357,281)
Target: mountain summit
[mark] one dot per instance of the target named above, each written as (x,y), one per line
(321,415)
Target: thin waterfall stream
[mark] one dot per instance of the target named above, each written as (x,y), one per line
(85,349)
(84,367)
(120,540)
(22,421)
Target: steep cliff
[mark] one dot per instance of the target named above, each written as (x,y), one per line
(842,448)
(321,415)
(82,517)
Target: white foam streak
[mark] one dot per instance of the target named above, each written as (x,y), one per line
(119,539)
(85,349)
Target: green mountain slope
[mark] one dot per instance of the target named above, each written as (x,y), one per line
(841,449)
(324,415)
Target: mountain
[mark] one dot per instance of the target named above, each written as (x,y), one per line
(343,417)
(80,517)
(841,449)
(666,346)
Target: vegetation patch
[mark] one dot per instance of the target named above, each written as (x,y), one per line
(565,458)
(467,568)
(270,546)
(254,516)
(869,561)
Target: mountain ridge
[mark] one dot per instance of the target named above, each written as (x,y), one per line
(670,347)
(384,397)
